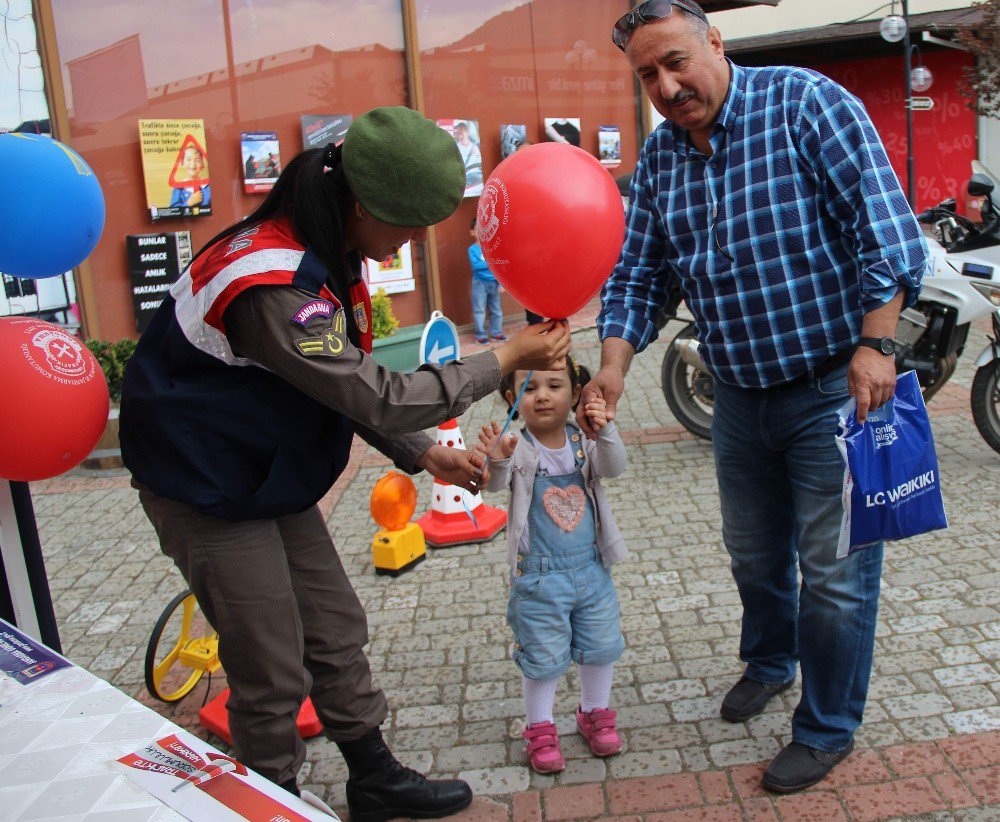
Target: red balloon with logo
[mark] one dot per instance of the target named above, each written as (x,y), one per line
(550,223)
(54,403)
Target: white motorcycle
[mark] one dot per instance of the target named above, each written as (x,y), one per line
(961,285)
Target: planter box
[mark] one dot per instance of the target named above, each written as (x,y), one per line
(107,454)
(401,351)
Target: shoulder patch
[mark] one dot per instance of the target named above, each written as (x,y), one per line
(311,310)
(330,341)
(361,317)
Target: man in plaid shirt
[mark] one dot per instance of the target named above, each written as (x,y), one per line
(769,196)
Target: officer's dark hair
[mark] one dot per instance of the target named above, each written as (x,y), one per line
(578,375)
(313,194)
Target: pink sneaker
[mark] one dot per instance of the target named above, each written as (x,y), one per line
(598,728)
(543,748)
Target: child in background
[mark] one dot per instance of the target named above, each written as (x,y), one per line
(562,538)
(485,293)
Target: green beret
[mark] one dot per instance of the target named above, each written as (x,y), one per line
(403,168)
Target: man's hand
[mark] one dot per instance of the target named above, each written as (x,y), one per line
(488,436)
(607,386)
(871,378)
(455,466)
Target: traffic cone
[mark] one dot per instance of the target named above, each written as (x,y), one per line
(448,522)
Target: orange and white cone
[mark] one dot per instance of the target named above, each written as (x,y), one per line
(448,521)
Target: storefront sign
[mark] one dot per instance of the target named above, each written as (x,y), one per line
(155,261)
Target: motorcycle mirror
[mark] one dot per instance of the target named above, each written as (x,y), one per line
(980,186)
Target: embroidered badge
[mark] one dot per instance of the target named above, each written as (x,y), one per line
(330,343)
(311,310)
(565,506)
(361,317)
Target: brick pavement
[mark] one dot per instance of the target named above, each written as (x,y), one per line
(930,745)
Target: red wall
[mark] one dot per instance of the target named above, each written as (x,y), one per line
(944,138)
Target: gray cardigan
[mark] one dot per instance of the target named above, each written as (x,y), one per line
(604,458)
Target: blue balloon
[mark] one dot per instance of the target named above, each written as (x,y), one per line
(52,211)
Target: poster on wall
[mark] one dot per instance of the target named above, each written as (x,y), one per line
(320,129)
(155,261)
(609,146)
(394,274)
(175,168)
(261,160)
(466,136)
(563,130)
(512,137)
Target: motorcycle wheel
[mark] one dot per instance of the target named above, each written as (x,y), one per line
(985,399)
(687,390)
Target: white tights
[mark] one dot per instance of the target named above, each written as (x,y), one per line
(595,692)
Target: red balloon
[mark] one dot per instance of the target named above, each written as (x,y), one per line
(54,403)
(550,223)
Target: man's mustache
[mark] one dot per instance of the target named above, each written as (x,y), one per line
(680,98)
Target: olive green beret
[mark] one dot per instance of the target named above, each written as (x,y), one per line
(403,168)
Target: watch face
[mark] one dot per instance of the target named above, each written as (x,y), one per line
(887,345)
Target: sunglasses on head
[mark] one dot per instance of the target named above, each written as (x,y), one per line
(646,13)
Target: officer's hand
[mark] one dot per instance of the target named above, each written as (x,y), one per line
(455,466)
(543,346)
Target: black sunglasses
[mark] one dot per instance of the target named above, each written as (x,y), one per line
(646,13)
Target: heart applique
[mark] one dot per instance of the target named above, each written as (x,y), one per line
(565,506)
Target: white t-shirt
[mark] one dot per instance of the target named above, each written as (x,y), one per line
(552,462)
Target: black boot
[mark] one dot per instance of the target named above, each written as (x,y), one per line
(379,788)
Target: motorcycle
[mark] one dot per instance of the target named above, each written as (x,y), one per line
(961,284)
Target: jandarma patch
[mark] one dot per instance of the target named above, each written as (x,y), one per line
(311,310)
(331,342)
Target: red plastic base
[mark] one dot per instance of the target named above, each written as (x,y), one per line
(451,529)
(215,718)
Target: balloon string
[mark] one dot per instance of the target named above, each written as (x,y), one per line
(496,442)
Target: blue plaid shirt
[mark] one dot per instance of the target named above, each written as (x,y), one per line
(782,240)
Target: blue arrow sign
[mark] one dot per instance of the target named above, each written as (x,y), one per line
(439,342)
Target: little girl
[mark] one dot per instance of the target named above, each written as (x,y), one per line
(562,539)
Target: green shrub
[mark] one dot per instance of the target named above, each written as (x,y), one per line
(384,322)
(112,358)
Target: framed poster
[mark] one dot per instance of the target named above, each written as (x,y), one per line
(175,168)
(394,273)
(261,160)
(512,137)
(609,146)
(320,129)
(466,136)
(563,130)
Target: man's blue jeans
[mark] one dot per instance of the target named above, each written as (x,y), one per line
(780,481)
(486,294)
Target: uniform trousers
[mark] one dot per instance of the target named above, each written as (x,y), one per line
(290,625)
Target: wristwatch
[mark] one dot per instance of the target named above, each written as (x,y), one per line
(884,345)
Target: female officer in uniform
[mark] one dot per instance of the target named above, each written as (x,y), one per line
(239,409)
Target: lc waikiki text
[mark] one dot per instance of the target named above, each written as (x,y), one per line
(900,491)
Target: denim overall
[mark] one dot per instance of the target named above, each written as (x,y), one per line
(562,602)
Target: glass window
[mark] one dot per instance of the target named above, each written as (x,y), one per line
(514,62)
(272,63)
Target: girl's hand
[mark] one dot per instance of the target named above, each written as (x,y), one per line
(596,410)
(488,436)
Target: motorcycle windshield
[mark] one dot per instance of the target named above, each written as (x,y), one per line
(979,168)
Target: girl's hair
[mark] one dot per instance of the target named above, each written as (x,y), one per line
(578,375)
(313,195)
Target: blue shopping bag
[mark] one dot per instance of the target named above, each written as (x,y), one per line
(892,488)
